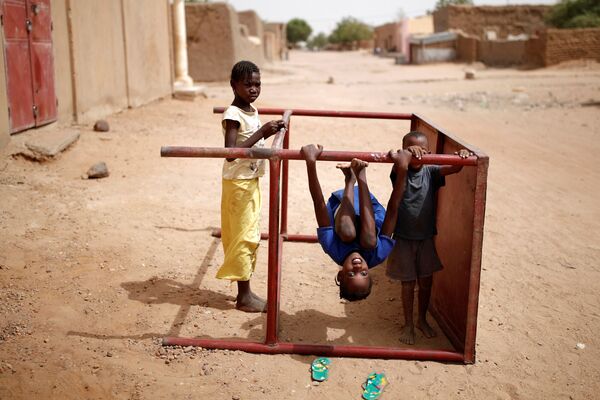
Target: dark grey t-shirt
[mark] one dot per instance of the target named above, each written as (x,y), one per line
(417,212)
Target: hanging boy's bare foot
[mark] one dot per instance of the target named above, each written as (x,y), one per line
(407,334)
(358,166)
(347,171)
(427,330)
(250,303)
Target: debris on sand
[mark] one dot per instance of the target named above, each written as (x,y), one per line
(470,74)
(97,171)
(101,126)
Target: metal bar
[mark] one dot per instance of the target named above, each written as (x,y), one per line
(476,251)
(290,237)
(284,154)
(280,136)
(327,113)
(284,182)
(274,267)
(319,350)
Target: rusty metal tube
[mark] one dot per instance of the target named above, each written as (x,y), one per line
(280,136)
(285,168)
(328,113)
(274,265)
(289,237)
(284,154)
(319,350)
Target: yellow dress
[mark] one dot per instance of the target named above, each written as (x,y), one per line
(241,203)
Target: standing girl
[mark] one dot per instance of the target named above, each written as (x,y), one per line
(241,200)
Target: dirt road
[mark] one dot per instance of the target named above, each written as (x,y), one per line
(94,273)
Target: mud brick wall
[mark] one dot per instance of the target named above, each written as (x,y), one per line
(388,37)
(571,44)
(466,48)
(502,53)
(216,41)
(504,20)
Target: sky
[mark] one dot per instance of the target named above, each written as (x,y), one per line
(322,15)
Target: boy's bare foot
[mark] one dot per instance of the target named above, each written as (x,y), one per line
(347,171)
(251,303)
(427,330)
(407,334)
(358,166)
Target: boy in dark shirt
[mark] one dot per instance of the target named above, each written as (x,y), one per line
(414,257)
(354,229)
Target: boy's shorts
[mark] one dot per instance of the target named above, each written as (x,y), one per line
(413,259)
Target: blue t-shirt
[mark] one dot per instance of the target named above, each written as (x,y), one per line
(338,250)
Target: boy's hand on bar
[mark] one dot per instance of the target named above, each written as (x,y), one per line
(401,158)
(463,153)
(417,151)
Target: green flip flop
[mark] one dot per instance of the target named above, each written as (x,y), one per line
(320,369)
(374,386)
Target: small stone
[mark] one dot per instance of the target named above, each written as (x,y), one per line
(109,354)
(316,383)
(235,397)
(580,346)
(330,81)
(97,171)
(470,74)
(101,126)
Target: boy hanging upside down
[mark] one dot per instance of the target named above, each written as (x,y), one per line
(354,228)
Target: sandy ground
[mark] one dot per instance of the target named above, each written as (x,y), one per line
(94,273)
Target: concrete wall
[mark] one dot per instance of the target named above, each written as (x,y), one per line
(99,59)
(216,41)
(62,63)
(504,20)
(147,41)
(419,25)
(108,55)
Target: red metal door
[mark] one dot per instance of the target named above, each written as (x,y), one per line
(29,63)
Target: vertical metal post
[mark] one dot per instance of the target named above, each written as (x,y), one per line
(274,266)
(284,183)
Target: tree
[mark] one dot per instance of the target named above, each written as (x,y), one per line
(575,14)
(350,30)
(298,30)
(444,3)
(318,42)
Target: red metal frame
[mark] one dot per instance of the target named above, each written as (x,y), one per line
(462,338)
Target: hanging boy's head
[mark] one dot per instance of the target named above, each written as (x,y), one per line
(415,138)
(245,81)
(354,279)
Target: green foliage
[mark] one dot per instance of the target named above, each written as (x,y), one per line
(444,3)
(298,30)
(318,42)
(350,30)
(575,14)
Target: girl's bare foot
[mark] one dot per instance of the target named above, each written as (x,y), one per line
(250,303)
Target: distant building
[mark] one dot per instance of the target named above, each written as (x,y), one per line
(394,37)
